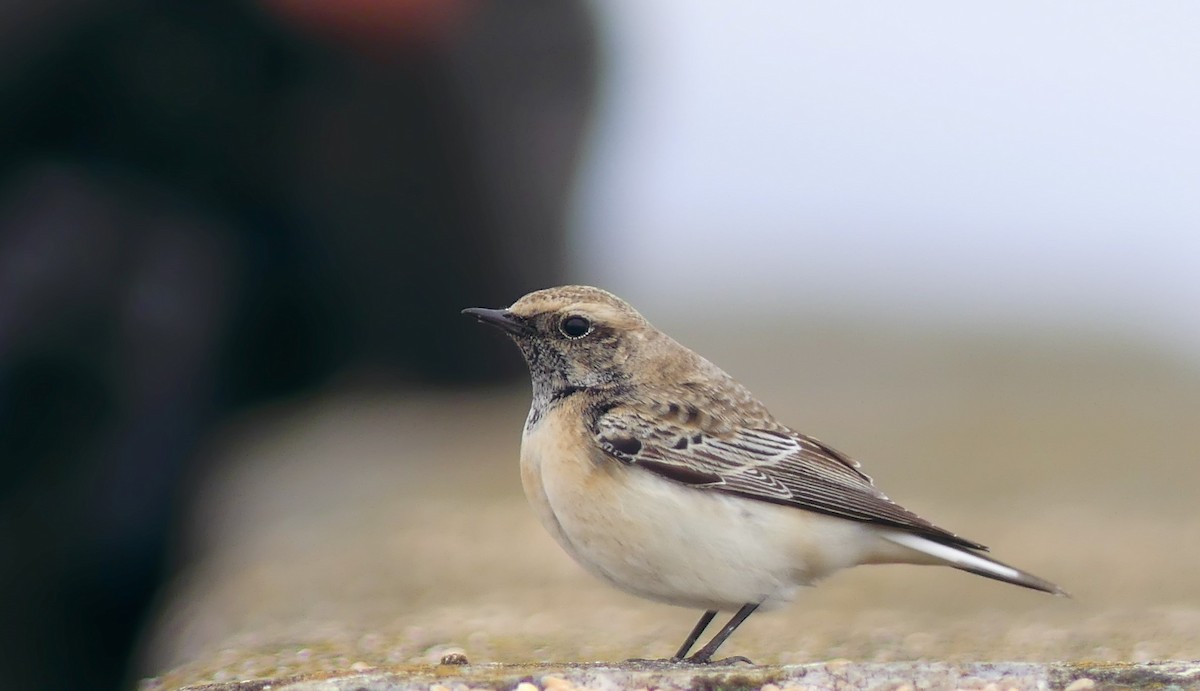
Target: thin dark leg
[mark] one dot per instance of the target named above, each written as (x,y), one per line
(705,654)
(705,620)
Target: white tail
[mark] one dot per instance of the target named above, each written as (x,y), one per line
(968,560)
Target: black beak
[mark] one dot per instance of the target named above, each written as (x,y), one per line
(501,319)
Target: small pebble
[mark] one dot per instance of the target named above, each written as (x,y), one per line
(526,686)
(360,666)
(454,659)
(1081,685)
(435,654)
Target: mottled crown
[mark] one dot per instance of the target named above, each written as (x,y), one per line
(600,303)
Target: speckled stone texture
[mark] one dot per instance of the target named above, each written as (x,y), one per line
(837,675)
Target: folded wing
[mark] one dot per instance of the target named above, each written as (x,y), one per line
(774,464)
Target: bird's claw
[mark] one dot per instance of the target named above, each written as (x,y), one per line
(693,660)
(736,659)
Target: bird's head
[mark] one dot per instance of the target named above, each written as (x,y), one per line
(576,337)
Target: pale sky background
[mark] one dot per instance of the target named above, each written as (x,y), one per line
(1015,162)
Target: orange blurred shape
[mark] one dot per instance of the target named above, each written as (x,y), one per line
(399,23)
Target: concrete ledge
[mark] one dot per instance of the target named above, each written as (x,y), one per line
(837,674)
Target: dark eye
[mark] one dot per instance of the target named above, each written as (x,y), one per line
(575,326)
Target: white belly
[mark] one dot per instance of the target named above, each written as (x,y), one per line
(665,541)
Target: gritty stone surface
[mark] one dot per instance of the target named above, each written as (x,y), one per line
(897,676)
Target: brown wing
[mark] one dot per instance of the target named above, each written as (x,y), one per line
(774,465)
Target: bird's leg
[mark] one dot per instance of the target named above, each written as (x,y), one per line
(704,655)
(705,620)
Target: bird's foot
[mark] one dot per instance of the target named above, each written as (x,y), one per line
(693,660)
(697,660)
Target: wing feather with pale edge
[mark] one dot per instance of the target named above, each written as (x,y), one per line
(777,465)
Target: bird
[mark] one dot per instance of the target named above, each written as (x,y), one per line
(664,476)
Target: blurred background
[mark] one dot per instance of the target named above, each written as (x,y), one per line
(244,431)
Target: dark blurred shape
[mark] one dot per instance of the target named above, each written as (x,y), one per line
(206,205)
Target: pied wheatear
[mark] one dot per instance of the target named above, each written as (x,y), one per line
(661,474)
